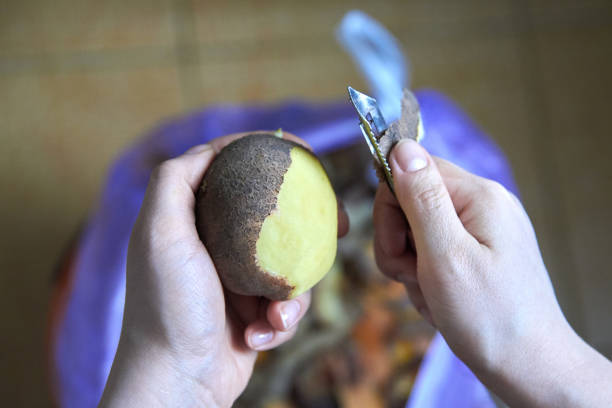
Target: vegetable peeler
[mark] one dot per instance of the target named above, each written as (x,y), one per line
(373,126)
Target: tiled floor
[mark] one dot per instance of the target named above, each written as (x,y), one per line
(81,80)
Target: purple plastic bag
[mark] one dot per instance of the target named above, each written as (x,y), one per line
(87,337)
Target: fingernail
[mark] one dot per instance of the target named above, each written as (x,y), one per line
(409,156)
(259,339)
(199,149)
(289,312)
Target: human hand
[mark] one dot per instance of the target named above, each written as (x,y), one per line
(477,274)
(185,340)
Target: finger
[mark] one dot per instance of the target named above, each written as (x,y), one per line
(468,191)
(462,185)
(247,308)
(183,171)
(260,335)
(390,223)
(425,200)
(168,207)
(415,295)
(172,177)
(343,220)
(198,149)
(418,300)
(401,268)
(284,315)
(460,182)
(479,202)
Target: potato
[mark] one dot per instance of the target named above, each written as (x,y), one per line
(267,214)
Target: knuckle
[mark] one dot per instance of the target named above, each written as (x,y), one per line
(430,197)
(515,199)
(463,260)
(497,188)
(165,170)
(495,194)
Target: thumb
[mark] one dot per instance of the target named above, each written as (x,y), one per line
(424,198)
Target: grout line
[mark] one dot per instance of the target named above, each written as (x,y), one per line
(182,54)
(187,52)
(538,114)
(87,61)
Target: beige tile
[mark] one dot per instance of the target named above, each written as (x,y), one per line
(568,15)
(575,70)
(246,21)
(275,50)
(40,26)
(59,134)
(73,124)
(310,77)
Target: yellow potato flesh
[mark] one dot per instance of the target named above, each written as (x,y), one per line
(298,240)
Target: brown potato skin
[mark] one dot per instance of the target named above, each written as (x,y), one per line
(237,193)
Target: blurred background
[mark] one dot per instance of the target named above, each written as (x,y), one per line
(81,80)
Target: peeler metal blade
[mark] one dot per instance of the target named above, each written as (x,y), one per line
(373,126)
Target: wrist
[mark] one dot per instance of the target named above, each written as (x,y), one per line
(540,370)
(149,375)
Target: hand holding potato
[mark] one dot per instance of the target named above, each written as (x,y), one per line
(185,340)
(478,276)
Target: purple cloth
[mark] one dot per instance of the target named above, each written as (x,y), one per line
(444,381)
(87,338)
